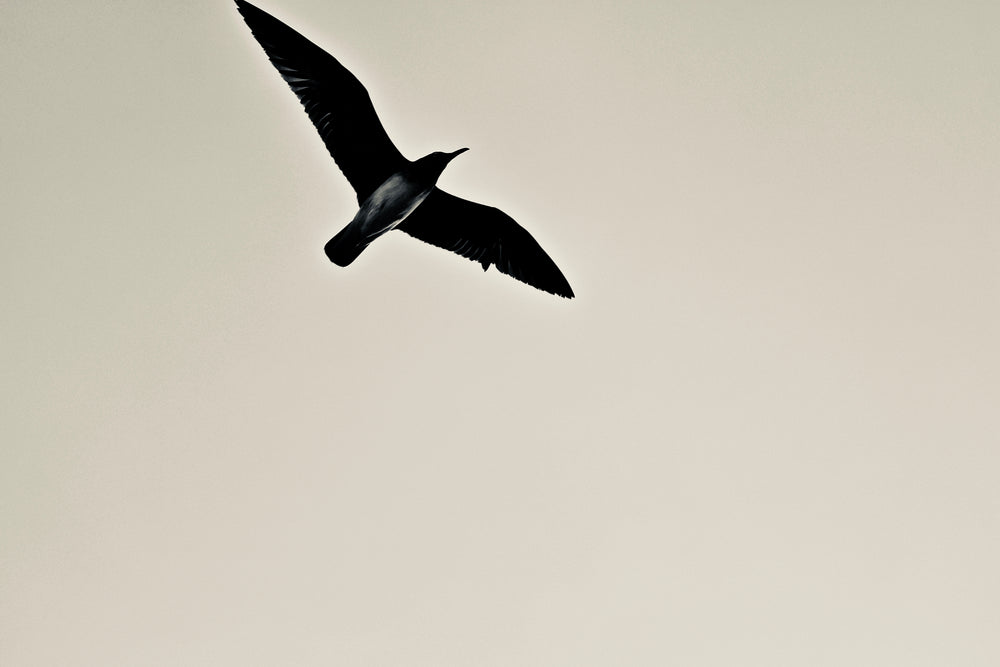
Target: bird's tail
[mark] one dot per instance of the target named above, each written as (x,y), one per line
(345,247)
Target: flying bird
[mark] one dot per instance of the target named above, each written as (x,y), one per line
(393,192)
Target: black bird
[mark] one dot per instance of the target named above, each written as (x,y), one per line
(393,192)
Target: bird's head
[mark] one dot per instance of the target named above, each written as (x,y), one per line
(433,164)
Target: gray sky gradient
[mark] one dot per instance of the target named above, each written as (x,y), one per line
(765,433)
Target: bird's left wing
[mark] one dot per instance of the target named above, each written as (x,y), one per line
(337,104)
(486,235)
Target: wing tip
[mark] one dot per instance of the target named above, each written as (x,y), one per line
(552,281)
(562,290)
(253,16)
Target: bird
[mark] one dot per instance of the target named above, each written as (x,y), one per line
(392,191)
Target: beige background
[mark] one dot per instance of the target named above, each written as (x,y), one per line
(766,433)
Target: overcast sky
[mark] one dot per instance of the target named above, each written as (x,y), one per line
(765,433)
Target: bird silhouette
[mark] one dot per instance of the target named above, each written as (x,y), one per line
(393,192)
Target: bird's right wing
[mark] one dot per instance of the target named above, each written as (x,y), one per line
(486,235)
(337,103)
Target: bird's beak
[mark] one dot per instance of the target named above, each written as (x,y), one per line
(452,156)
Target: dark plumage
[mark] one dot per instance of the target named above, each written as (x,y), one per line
(393,192)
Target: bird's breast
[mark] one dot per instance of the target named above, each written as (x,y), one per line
(389,205)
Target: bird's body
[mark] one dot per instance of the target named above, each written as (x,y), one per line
(384,209)
(381,212)
(393,192)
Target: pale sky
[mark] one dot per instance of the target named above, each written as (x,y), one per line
(765,432)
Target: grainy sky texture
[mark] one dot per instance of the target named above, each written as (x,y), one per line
(766,432)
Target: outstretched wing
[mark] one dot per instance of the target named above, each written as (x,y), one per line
(337,103)
(486,235)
